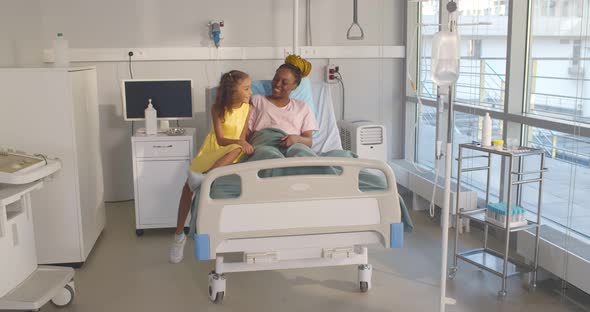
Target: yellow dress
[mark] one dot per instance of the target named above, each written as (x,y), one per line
(210,151)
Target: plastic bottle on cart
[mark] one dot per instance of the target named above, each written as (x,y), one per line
(486,131)
(151,122)
(60,50)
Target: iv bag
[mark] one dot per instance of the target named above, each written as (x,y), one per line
(445,58)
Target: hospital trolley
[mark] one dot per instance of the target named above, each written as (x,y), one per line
(499,263)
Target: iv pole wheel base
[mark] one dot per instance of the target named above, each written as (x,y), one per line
(502,293)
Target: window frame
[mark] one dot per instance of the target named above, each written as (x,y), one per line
(514,115)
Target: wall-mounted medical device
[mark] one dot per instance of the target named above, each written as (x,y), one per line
(215,32)
(172,98)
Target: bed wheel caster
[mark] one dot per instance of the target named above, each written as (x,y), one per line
(365,272)
(139,232)
(65,296)
(216,287)
(502,293)
(364,286)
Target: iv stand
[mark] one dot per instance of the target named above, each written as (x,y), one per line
(444,300)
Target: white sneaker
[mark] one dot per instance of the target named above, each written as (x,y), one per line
(177,250)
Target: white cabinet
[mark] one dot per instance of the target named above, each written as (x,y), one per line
(55,110)
(160,167)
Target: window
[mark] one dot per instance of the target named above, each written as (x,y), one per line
(559,77)
(425,136)
(426,115)
(475,48)
(550,112)
(567,182)
(483,54)
(559,90)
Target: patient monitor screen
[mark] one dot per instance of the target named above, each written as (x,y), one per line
(172,99)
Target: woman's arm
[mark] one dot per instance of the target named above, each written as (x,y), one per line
(304,138)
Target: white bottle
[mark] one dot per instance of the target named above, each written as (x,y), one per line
(60,51)
(151,122)
(486,131)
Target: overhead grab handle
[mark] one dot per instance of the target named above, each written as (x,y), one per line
(355,22)
(349,34)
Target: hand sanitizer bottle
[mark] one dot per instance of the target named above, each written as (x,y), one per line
(151,122)
(60,50)
(486,131)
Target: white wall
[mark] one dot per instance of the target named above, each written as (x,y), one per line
(159,23)
(373,87)
(20,38)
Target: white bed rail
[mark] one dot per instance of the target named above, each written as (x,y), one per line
(311,204)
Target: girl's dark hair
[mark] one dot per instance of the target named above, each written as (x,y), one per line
(225,92)
(295,70)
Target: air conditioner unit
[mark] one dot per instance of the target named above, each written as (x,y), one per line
(365,138)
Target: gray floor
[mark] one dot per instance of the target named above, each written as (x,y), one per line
(129,273)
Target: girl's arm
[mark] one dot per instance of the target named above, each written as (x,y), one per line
(246,147)
(245,130)
(222,141)
(218,127)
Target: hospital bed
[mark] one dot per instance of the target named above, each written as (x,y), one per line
(297,221)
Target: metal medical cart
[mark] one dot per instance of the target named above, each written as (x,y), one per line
(486,258)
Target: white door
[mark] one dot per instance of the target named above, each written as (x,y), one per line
(160,184)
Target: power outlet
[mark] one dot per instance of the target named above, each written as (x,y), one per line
(332,73)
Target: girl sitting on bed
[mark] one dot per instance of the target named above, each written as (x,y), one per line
(224,145)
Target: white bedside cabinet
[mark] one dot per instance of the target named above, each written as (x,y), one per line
(160,169)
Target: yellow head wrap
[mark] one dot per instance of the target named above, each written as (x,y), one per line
(299,62)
